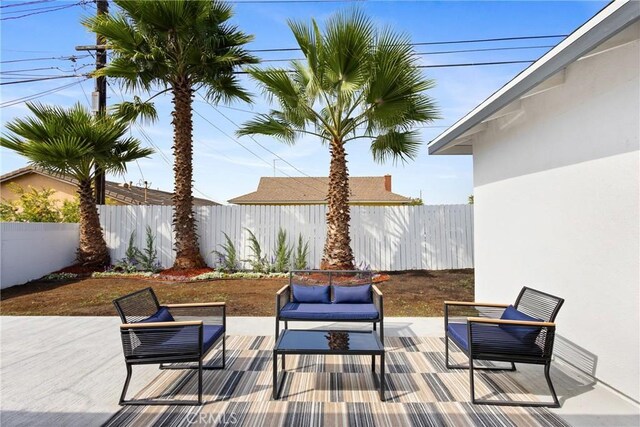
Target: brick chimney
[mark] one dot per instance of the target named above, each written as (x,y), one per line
(387,182)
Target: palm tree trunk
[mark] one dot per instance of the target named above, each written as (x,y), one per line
(92,251)
(337,247)
(184,223)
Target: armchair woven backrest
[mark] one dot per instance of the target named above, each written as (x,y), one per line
(137,306)
(538,304)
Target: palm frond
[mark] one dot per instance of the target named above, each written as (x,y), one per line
(264,124)
(131,111)
(395,146)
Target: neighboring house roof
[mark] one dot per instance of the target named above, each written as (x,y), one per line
(313,190)
(126,194)
(614,18)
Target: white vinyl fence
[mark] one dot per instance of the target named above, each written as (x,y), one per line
(31,250)
(383,238)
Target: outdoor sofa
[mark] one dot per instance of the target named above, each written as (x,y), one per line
(169,334)
(330,299)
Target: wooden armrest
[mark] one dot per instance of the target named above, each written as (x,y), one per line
(479,304)
(375,289)
(197,304)
(160,324)
(509,322)
(284,288)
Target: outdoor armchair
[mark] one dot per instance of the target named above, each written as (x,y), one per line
(521,333)
(171,334)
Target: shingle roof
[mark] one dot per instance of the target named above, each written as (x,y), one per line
(313,190)
(130,195)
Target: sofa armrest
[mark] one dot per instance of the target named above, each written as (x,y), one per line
(469,308)
(377,300)
(475,304)
(510,322)
(282,298)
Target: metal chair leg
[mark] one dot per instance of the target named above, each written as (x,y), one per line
(556,402)
(471,382)
(200,382)
(126,385)
(224,350)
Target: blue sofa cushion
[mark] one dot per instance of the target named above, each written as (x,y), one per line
(311,294)
(526,334)
(491,339)
(297,311)
(360,294)
(161,315)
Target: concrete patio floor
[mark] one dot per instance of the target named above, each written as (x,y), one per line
(58,371)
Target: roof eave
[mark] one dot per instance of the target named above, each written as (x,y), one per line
(607,23)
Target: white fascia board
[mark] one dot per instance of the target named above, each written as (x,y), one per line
(607,23)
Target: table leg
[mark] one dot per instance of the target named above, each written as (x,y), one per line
(283,365)
(373,363)
(275,375)
(382,382)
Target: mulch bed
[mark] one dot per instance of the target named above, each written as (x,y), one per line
(410,293)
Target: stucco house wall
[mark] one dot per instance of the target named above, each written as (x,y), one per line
(556,187)
(62,190)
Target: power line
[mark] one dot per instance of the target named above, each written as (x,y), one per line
(476,64)
(38,95)
(26,3)
(17,72)
(468,64)
(42,79)
(441,52)
(50,9)
(496,39)
(72,58)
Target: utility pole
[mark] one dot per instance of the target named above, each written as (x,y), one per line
(99,96)
(101,89)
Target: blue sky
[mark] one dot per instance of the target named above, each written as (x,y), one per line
(222,168)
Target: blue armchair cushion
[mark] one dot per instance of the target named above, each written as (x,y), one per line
(161,315)
(491,339)
(360,294)
(311,294)
(526,334)
(297,311)
(181,341)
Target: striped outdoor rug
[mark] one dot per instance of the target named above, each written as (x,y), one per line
(336,391)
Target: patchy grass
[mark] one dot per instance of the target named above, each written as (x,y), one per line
(412,293)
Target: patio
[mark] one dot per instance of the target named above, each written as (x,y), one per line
(69,371)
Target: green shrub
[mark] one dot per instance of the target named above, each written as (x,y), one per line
(257,260)
(302,254)
(283,253)
(228,257)
(35,205)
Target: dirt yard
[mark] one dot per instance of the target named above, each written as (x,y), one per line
(411,293)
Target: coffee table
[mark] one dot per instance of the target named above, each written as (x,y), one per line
(323,342)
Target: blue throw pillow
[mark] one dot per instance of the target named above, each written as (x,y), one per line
(526,334)
(161,315)
(311,294)
(360,294)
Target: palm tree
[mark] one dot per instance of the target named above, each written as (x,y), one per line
(73,142)
(180,46)
(356,82)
